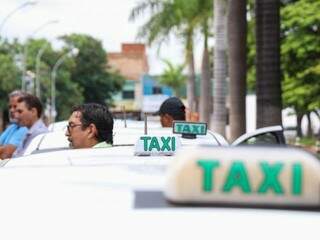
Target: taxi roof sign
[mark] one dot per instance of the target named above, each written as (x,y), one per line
(189,129)
(157,145)
(247,176)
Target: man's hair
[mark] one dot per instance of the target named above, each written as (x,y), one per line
(174,107)
(31,101)
(98,115)
(17,93)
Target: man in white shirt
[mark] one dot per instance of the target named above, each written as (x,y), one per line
(28,114)
(90,126)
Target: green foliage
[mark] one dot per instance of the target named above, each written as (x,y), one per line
(251,48)
(9,76)
(308,141)
(173,76)
(67,91)
(301,55)
(90,71)
(9,73)
(178,17)
(162,22)
(78,79)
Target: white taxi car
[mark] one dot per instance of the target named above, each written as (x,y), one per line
(56,140)
(200,193)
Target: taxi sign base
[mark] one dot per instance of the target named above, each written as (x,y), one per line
(173,203)
(189,136)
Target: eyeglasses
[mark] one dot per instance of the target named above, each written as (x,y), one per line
(70,126)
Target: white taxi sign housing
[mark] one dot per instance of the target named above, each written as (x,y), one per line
(190,129)
(261,176)
(157,145)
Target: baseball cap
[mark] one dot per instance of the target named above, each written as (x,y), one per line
(172,106)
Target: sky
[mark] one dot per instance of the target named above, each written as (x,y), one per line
(106,20)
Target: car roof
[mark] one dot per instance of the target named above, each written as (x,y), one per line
(120,199)
(256,132)
(86,156)
(118,123)
(57,140)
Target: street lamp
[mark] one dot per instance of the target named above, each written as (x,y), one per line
(72,53)
(38,61)
(29,3)
(43,26)
(25,52)
(38,58)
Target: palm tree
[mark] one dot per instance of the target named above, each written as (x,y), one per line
(268,77)
(171,16)
(191,86)
(237,33)
(219,117)
(161,23)
(205,12)
(173,77)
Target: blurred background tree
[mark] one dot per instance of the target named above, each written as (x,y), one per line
(96,83)
(301,57)
(173,77)
(81,78)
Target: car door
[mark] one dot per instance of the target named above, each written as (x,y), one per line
(263,136)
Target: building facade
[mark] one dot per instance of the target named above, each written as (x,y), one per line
(141,91)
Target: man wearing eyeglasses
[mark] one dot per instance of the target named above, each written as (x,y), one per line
(28,114)
(90,126)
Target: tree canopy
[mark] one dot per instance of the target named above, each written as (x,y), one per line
(173,76)
(90,71)
(81,78)
(301,55)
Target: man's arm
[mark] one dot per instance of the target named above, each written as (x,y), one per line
(6,151)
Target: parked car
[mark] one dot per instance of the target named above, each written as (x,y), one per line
(57,140)
(112,194)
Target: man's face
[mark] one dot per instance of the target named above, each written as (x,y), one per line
(12,108)
(166,120)
(77,136)
(24,116)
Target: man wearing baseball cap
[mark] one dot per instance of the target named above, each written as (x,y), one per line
(170,110)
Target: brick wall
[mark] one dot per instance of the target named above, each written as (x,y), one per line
(131,62)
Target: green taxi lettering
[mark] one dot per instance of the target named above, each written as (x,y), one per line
(237,177)
(296,179)
(179,127)
(271,181)
(162,144)
(154,144)
(208,176)
(145,142)
(195,128)
(165,143)
(186,129)
(173,144)
(190,128)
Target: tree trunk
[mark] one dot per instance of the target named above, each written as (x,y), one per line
(318,133)
(309,132)
(191,84)
(268,77)
(191,88)
(299,129)
(205,90)
(219,117)
(237,37)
